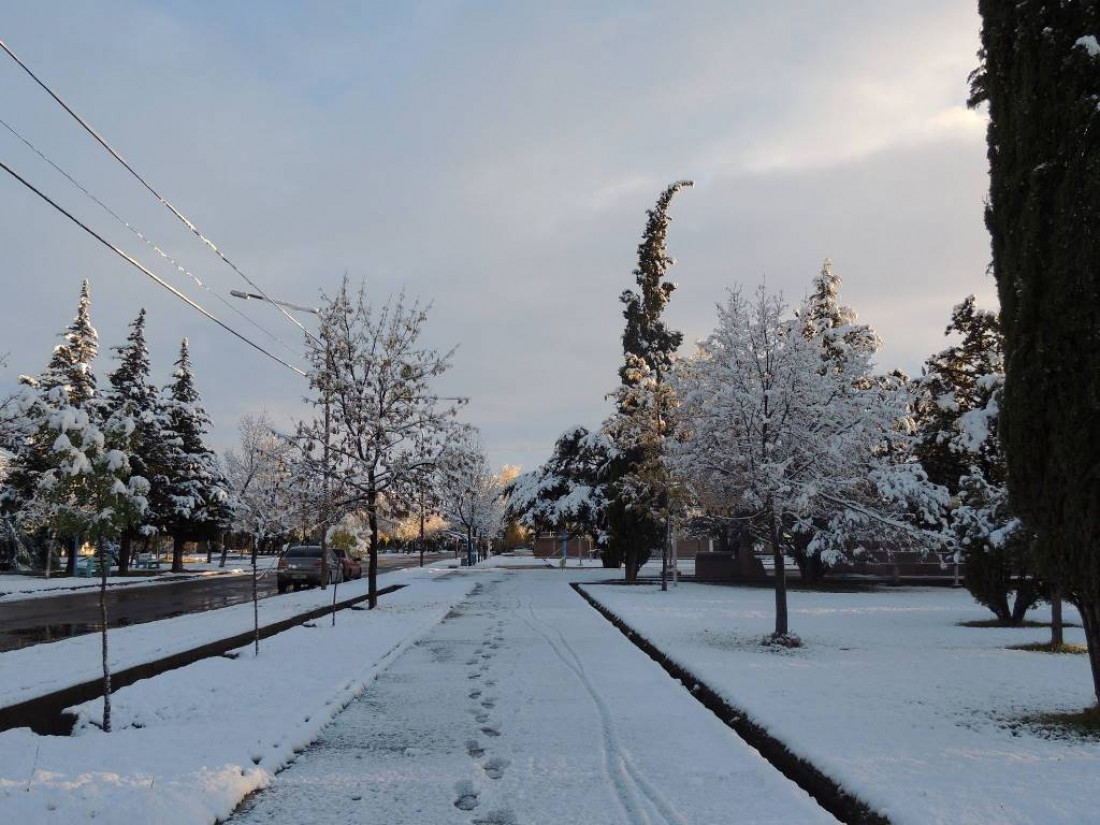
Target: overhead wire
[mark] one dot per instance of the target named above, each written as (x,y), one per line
(179,267)
(137,264)
(103,142)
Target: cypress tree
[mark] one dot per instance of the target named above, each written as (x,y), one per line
(634,513)
(1040,76)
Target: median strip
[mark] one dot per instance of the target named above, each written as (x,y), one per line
(46,715)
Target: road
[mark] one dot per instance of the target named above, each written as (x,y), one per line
(49,618)
(526,707)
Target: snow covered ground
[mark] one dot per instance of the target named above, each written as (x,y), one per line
(39,669)
(15,587)
(525,706)
(911,712)
(189,744)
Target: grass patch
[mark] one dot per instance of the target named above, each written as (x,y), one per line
(782,640)
(1082,723)
(999,623)
(1047,647)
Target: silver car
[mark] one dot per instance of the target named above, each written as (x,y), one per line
(301,566)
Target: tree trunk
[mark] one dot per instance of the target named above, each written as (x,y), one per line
(70,562)
(1057,634)
(372,561)
(178,541)
(780,581)
(1090,619)
(101,547)
(125,549)
(255,610)
(225,551)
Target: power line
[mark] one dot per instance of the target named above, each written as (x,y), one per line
(144,239)
(148,272)
(194,229)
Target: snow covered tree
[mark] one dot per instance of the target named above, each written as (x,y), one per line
(637,501)
(133,395)
(71,363)
(88,488)
(957,444)
(568,493)
(1040,77)
(471,495)
(70,370)
(835,328)
(261,478)
(387,427)
(763,428)
(196,495)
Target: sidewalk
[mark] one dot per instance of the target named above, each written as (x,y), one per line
(526,706)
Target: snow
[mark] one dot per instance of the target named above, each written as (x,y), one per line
(1090,44)
(220,748)
(527,707)
(911,712)
(40,669)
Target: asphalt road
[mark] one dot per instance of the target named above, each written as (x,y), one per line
(49,618)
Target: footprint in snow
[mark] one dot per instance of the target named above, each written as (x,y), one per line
(466,795)
(503,816)
(494,768)
(489,704)
(473,749)
(490,731)
(474,694)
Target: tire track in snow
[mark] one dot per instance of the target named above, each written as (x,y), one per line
(641,802)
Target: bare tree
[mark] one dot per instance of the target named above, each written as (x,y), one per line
(386,429)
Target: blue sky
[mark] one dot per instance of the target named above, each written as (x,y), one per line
(496,159)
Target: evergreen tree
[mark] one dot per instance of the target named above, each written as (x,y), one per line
(68,380)
(1040,76)
(957,444)
(835,328)
(569,492)
(637,491)
(71,364)
(196,498)
(133,394)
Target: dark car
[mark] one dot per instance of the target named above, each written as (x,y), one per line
(301,566)
(353,569)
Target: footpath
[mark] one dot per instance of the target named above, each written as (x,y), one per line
(524,705)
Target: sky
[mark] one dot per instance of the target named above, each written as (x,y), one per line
(496,160)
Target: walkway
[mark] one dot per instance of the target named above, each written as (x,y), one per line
(526,706)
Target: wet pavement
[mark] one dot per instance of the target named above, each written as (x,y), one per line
(50,618)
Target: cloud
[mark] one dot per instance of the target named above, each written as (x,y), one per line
(497,160)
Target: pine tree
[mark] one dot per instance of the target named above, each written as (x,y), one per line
(71,364)
(1040,76)
(835,328)
(568,493)
(195,492)
(957,444)
(68,380)
(638,501)
(133,394)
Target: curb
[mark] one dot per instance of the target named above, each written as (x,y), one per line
(46,715)
(826,792)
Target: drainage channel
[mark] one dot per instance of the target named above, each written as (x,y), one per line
(826,792)
(46,715)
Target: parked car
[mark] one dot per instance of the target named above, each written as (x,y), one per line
(301,566)
(353,568)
